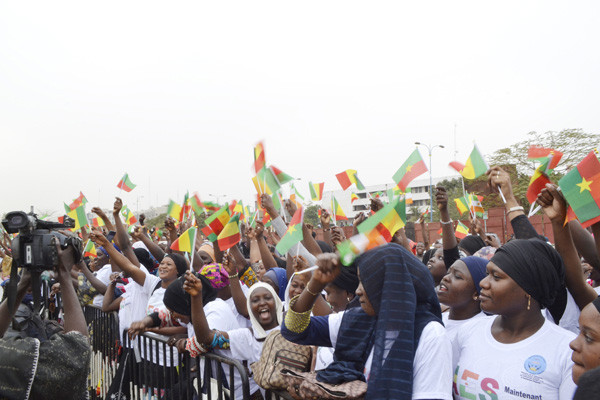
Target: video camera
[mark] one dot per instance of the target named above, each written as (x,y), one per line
(35,248)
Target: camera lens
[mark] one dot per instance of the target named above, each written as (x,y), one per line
(16,220)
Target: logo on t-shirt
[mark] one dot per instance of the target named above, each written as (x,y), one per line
(535,365)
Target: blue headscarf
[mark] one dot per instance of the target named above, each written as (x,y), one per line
(401,290)
(279,277)
(476,267)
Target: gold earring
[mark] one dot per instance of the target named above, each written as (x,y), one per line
(475,298)
(528,302)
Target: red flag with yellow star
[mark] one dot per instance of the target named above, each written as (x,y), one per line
(581,188)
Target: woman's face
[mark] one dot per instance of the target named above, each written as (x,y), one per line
(364,300)
(436,266)
(297,285)
(457,287)
(180,317)
(261,271)
(586,346)
(338,298)
(500,294)
(167,270)
(204,257)
(264,309)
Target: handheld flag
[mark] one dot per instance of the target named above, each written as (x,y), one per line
(412,167)
(387,220)
(196,204)
(81,200)
(175,211)
(548,159)
(358,244)
(337,210)
(216,222)
(293,235)
(259,157)
(581,188)
(353,197)
(79,216)
(129,217)
(90,249)
(126,184)
(474,167)
(230,235)
(281,176)
(186,241)
(461,230)
(316,190)
(97,222)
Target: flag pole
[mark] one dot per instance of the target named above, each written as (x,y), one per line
(193,250)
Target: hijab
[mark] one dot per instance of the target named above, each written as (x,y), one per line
(216,274)
(471,243)
(476,267)
(401,290)
(178,300)
(278,276)
(257,329)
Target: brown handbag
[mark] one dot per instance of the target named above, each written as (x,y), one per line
(304,385)
(277,354)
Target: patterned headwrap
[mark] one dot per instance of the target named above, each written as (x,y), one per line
(216,274)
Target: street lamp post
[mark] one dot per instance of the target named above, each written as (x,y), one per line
(429,150)
(216,196)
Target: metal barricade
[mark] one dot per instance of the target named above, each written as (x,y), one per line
(211,376)
(104,339)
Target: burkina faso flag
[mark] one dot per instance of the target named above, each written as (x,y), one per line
(581,188)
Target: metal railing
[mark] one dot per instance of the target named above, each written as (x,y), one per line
(126,366)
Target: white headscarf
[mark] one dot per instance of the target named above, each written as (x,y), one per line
(259,332)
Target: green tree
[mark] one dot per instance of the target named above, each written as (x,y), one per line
(311,215)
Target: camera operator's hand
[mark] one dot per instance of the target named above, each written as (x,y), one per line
(117,206)
(99,239)
(66,259)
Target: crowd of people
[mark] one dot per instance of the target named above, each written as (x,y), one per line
(456,319)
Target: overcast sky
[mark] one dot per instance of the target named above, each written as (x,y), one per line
(178,93)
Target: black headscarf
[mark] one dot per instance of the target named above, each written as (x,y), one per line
(325,248)
(144,258)
(401,290)
(428,254)
(179,261)
(588,386)
(535,266)
(178,300)
(347,279)
(471,244)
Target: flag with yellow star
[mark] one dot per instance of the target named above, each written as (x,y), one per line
(293,235)
(581,188)
(412,167)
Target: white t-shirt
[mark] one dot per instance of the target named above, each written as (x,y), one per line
(155,304)
(538,367)
(432,365)
(453,326)
(103,275)
(243,322)
(133,304)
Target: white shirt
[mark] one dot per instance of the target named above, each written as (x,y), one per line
(453,326)
(432,365)
(538,367)
(103,275)
(133,304)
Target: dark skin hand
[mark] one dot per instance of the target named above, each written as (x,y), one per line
(376,205)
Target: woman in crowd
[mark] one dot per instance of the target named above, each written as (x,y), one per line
(518,351)
(396,311)
(265,311)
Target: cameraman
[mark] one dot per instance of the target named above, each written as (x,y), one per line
(55,368)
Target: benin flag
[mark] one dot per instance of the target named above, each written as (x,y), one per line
(217,222)
(129,217)
(387,220)
(230,235)
(90,249)
(357,182)
(337,210)
(196,204)
(293,235)
(346,178)
(536,184)
(461,230)
(475,205)
(267,181)
(412,167)
(185,242)
(175,211)
(281,176)
(81,200)
(79,216)
(581,188)
(549,158)
(353,197)
(462,204)
(126,184)
(474,167)
(259,157)
(97,222)
(316,190)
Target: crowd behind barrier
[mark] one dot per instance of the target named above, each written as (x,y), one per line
(212,374)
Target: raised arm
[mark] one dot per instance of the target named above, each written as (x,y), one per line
(585,244)
(98,211)
(73,313)
(109,303)
(119,259)
(326,225)
(7,315)
(555,208)
(329,269)
(204,335)
(122,235)
(448,238)
(265,254)
(95,282)
(153,248)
